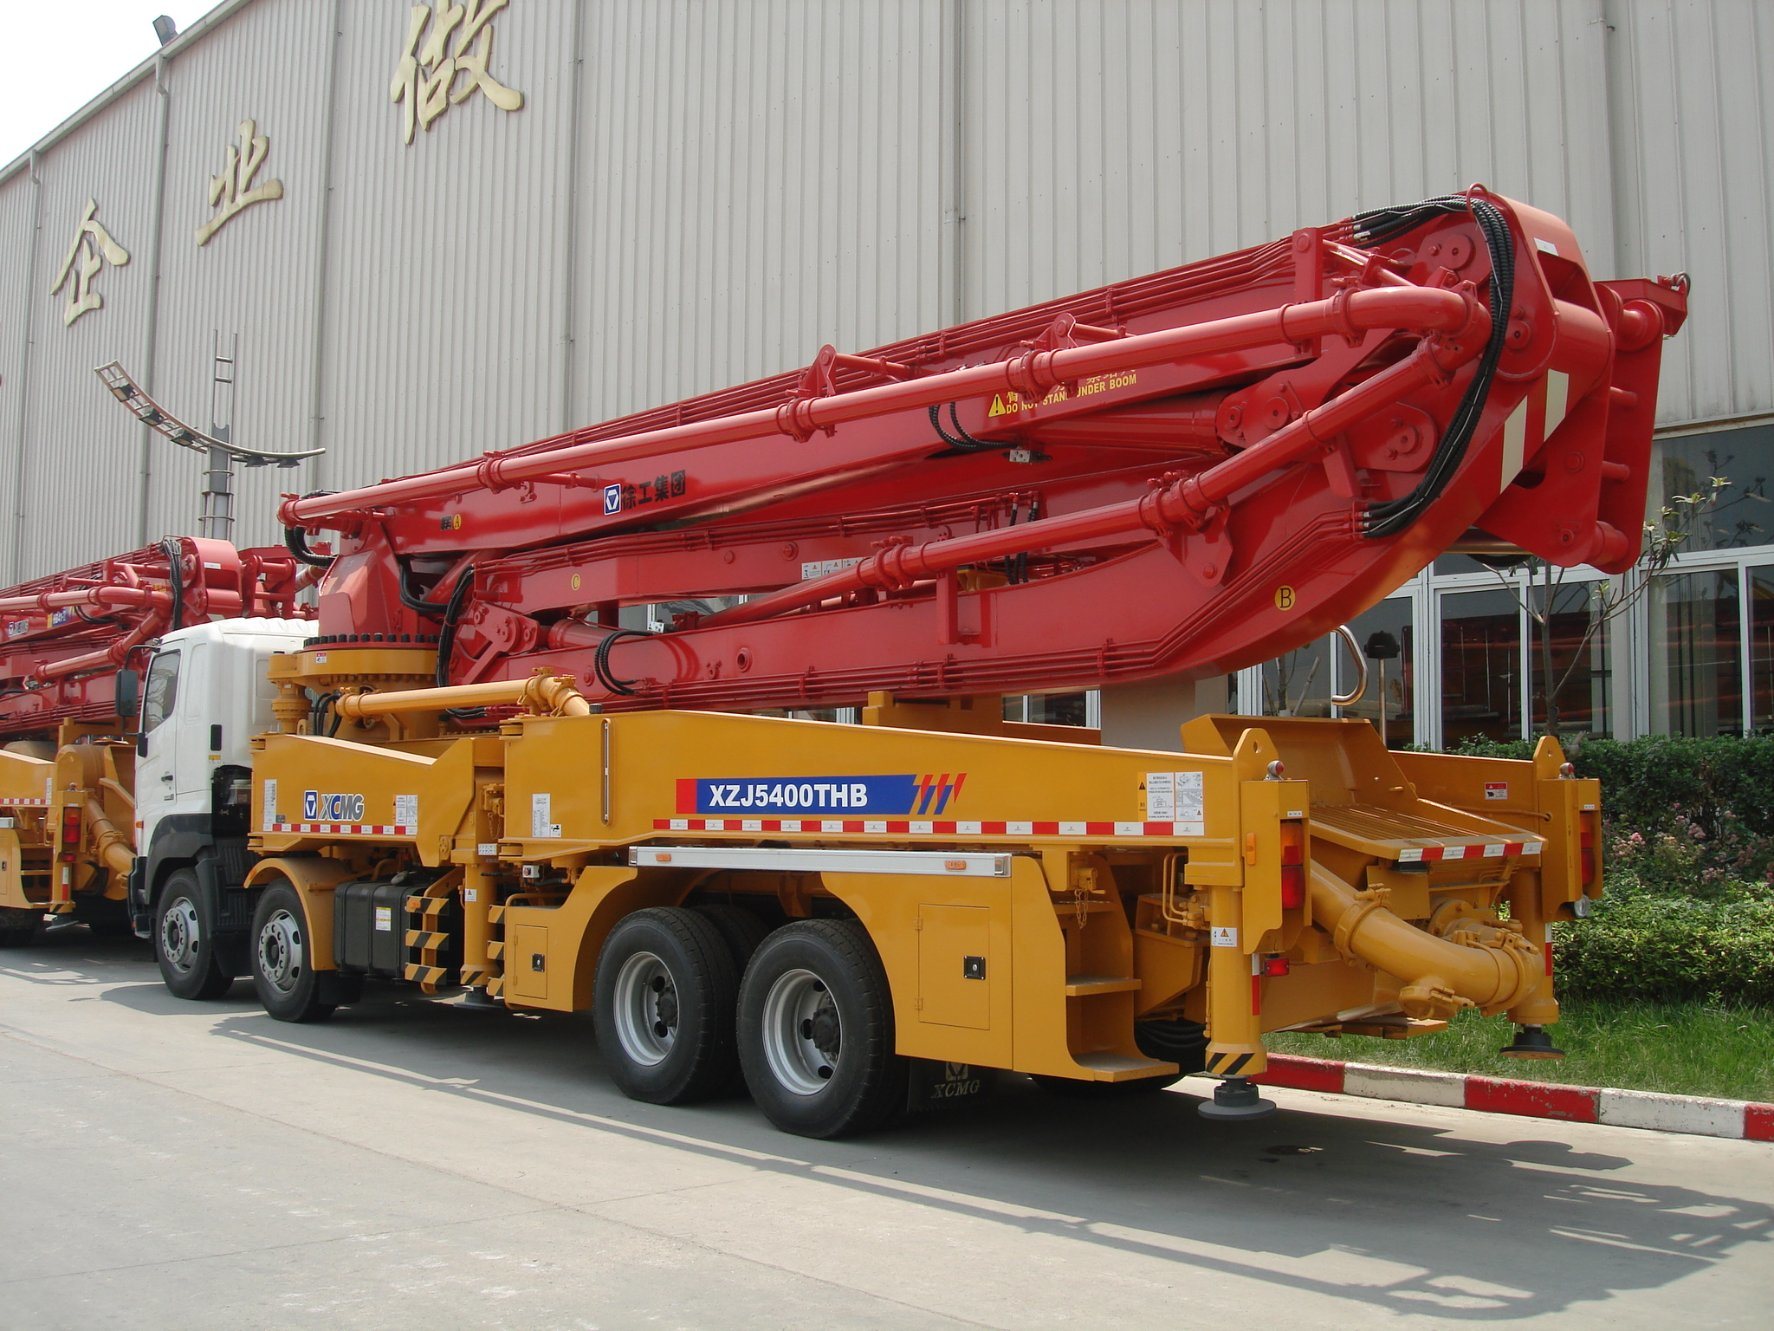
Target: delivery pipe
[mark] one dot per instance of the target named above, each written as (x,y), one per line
(546,695)
(1497,969)
(1422,311)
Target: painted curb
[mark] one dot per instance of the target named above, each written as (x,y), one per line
(1695,1115)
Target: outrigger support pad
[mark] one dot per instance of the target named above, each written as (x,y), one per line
(1531,1042)
(1235,1098)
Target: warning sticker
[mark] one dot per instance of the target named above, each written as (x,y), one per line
(406,811)
(1496,790)
(384,919)
(270,800)
(1175,797)
(1224,936)
(542,822)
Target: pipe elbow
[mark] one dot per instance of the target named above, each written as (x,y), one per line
(1458,961)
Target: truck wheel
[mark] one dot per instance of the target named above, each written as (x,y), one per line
(182,946)
(816,1031)
(740,929)
(283,970)
(664,1007)
(18,928)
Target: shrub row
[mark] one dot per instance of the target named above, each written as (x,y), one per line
(1665,948)
(1645,782)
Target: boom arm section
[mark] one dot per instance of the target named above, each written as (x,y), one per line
(1179,474)
(64,638)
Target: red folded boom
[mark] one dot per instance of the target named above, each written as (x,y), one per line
(64,638)
(1179,474)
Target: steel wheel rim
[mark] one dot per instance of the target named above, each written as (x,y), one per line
(280,951)
(803,1034)
(180,935)
(646,1009)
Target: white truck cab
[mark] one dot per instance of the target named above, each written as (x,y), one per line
(206,695)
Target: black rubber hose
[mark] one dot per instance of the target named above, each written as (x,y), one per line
(446,632)
(1392,517)
(411,599)
(960,440)
(297,541)
(176,576)
(600,662)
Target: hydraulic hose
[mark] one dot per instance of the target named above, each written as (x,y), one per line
(1496,968)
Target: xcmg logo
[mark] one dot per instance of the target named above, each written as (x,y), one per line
(320,807)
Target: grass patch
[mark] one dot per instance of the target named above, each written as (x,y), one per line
(1682,1048)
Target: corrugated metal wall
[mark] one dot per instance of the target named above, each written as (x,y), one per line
(77,483)
(757,178)
(445,308)
(257,279)
(701,191)
(1105,142)
(18,235)
(1692,97)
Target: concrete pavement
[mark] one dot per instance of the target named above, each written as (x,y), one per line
(414,1163)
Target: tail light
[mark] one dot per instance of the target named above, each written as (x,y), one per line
(1293,866)
(70,834)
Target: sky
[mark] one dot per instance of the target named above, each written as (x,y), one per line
(60,54)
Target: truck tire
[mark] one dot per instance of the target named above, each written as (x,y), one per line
(182,945)
(19,928)
(740,929)
(816,1031)
(283,967)
(664,1007)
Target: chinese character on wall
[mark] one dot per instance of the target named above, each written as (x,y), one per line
(429,80)
(234,190)
(92,249)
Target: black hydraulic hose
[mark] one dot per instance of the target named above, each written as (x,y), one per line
(446,631)
(600,662)
(297,541)
(176,577)
(960,440)
(1393,516)
(411,599)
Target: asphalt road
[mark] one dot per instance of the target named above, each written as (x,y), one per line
(415,1163)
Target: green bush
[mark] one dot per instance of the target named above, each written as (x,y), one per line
(1688,860)
(1691,817)
(1659,947)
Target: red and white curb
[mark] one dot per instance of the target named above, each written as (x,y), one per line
(1697,1115)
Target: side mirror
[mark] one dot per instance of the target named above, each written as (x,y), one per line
(129,694)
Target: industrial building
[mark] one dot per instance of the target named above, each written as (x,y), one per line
(420,231)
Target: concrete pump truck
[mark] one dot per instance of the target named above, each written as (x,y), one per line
(474,773)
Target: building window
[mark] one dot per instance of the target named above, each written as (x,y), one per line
(1048,709)
(1696,680)
(1387,700)
(1761,647)
(1298,683)
(1742,513)
(1481,666)
(1581,671)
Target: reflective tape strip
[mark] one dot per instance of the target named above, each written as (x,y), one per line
(923,827)
(1488,850)
(346,829)
(927,863)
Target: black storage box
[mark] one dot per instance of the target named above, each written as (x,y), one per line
(370,927)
